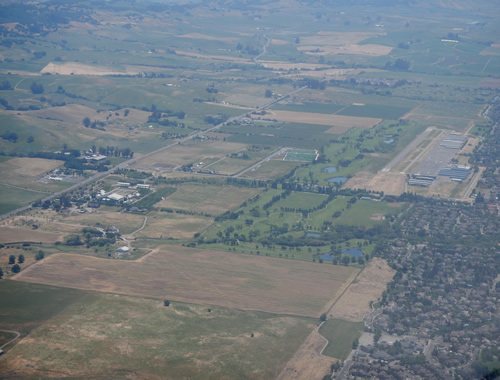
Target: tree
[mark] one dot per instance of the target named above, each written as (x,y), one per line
(20,258)
(166,303)
(12,259)
(402,64)
(37,88)
(5,85)
(268,93)
(16,268)
(1,273)
(40,255)
(86,122)
(323,317)
(355,344)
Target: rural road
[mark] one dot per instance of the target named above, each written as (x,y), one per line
(267,158)
(256,59)
(132,161)
(10,341)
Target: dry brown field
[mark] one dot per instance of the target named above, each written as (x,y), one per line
(245,101)
(200,36)
(125,222)
(75,113)
(328,38)
(308,363)
(281,65)
(69,68)
(244,282)
(270,169)
(23,170)
(337,122)
(366,288)
(275,41)
(191,152)
(342,43)
(177,226)
(215,57)
(489,83)
(388,182)
(369,49)
(17,234)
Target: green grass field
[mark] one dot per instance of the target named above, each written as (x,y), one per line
(304,201)
(13,197)
(340,334)
(300,155)
(310,107)
(375,110)
(26,306)
(364,213)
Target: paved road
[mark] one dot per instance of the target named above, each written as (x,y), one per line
(132,161)
(267,158)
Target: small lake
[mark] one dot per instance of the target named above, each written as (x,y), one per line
(313,235)
(331,169)
(337,179)
(351,252)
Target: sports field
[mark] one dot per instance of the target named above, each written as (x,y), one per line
(219,278)
(301,155)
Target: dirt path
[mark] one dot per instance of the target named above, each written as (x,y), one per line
(140,228)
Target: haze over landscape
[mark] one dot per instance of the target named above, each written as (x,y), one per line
(249,189)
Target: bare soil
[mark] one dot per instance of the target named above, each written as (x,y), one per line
(308,363)
(73,68)
(489,83)
(337,122)
(368,286)
(388,182)
(197,276)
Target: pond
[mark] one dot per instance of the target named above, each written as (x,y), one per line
(331,169)
(313,235)
(337,179)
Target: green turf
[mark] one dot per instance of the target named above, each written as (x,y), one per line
(341,335)
(25,306)
(12,197)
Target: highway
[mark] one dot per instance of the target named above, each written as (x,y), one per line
(132,161)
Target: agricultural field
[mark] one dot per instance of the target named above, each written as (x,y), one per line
(12,197)
(210,199)
(366,289)
(341,335)
(26,306)
(257,156)
(244,282)
(269,170)
(118,335)
(193,152)
(339,124)
(163,225)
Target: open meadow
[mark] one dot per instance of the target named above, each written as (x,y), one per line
(106,335)
(206,198)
